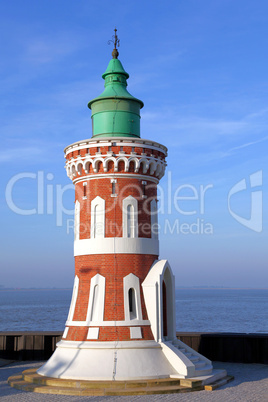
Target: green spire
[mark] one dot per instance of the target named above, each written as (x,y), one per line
(115,112)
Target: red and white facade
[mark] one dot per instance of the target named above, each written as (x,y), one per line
(116,240)
(121,322)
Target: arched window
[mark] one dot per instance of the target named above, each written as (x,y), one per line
(164,307)
(95,310)
(132,298)
(154,221)
(77,220)
(97,218)
(130,217)
(95,303)
(130,221)
(132,304)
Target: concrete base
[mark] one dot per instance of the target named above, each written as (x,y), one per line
(126,361)
(108,361)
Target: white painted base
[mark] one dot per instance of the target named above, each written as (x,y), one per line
(164,357)
(107,361)
(132,360)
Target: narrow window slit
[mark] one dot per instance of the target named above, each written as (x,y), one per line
(143,183)
(132,304)
(85,190)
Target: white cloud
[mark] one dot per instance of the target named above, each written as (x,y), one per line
(191,130)
(248,144)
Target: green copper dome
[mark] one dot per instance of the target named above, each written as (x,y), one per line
(115,112)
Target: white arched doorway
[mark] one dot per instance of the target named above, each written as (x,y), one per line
(159,294)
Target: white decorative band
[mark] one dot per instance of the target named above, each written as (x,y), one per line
(115,176)
(116,245)
(126,323)
(151,165)
(108,345)
(116,141)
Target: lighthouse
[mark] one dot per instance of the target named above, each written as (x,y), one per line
(121,321)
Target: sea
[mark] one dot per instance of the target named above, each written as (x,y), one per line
(197,310)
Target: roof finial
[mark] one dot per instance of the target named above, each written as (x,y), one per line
(116,42)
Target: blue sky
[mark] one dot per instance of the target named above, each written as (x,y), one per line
(201,69)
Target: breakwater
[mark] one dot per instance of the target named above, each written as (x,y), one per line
(225,347)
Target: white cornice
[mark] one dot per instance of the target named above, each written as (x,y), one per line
(118,141)
(116,176)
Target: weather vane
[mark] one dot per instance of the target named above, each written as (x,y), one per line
(116,42)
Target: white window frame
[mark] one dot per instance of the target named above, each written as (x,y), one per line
(130,201)
(114,181)
(74,298)
(132,281)
(77,220)
(154,218)
(97,228)
(97,305)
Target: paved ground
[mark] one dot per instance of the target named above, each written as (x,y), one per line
(250,385)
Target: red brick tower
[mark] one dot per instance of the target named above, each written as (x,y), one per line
(121,322)
(115,244)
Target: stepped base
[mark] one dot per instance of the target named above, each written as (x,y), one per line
(29,380)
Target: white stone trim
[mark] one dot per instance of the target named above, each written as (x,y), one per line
(135,333)
(169,278)
(130,217)
(154,219)
(109,344)
(116,141)
(150,164)
(97,218)
(131,281)
(93,333)
(118,176)
(126,323)
(116,245)
(65,333)
(77,220)
(74,298)
(95,309)
(152,290)
(178,360)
